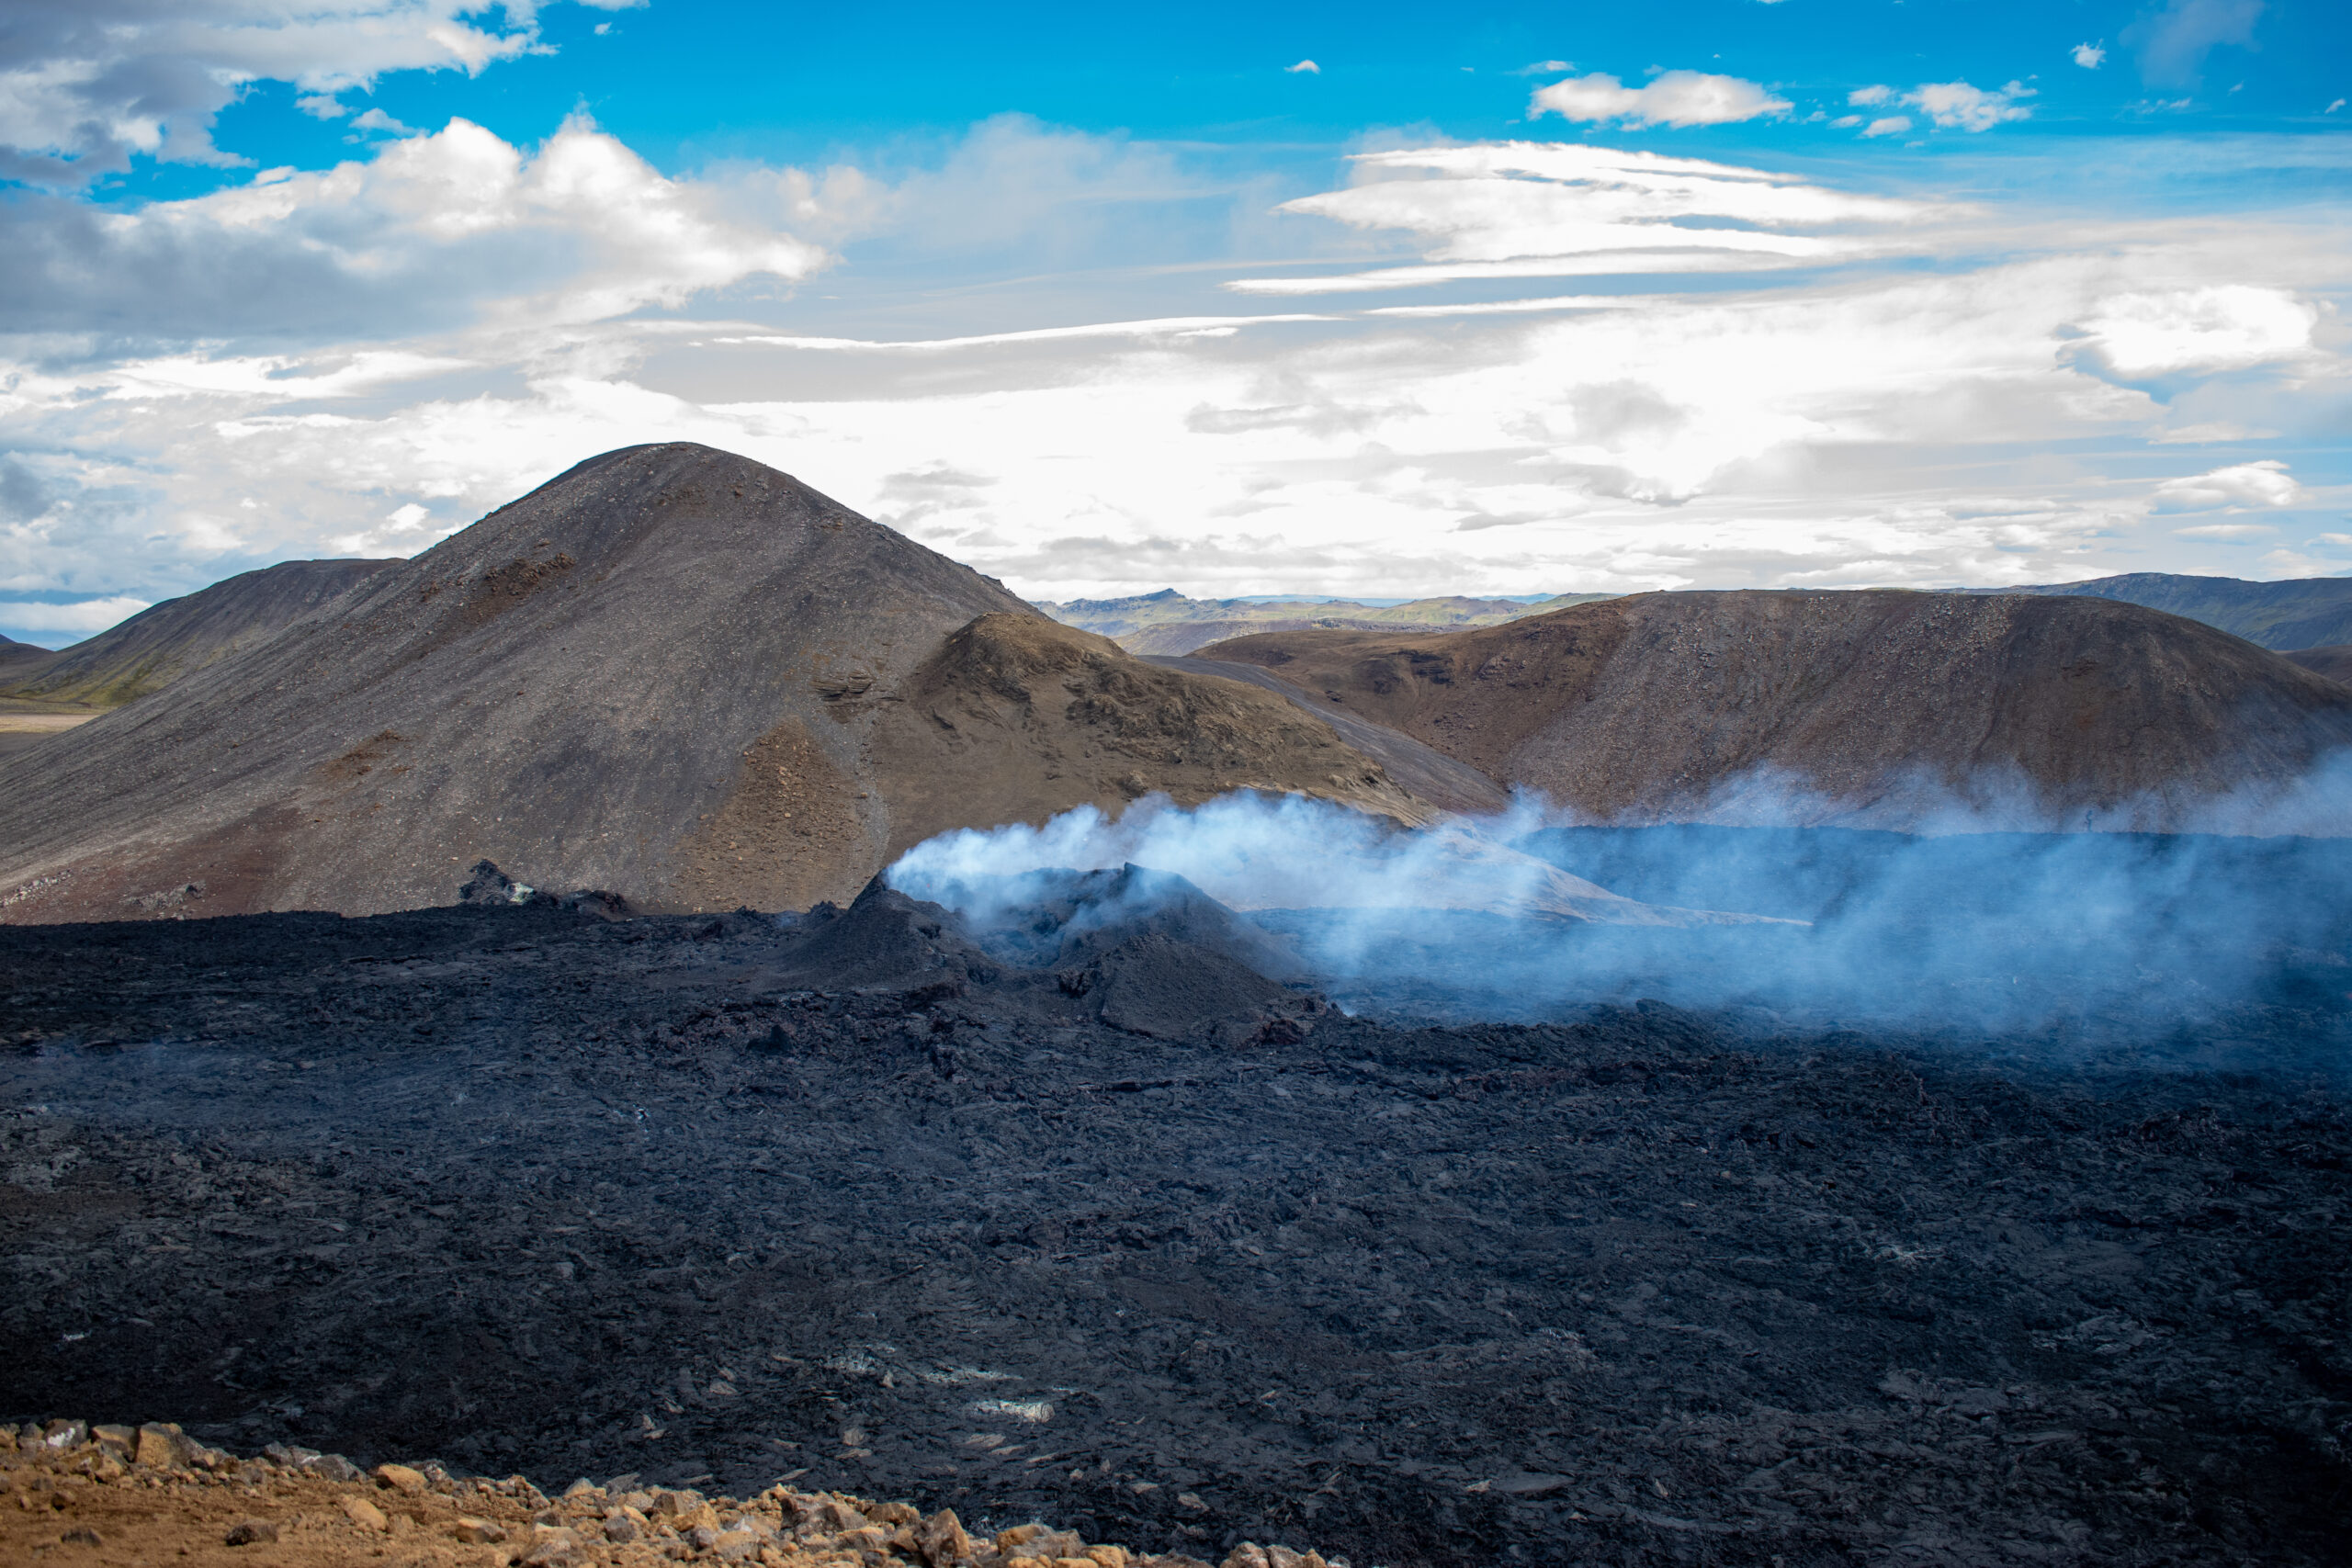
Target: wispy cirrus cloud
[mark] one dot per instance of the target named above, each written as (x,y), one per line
(1524,209)
(2172,44)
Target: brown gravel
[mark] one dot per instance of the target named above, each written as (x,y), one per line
(71,1493)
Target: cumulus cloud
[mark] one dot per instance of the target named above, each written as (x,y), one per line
(376,120)
(2172,44)
(2221,326)
(84,86)
(1678,98)
(2265,483)
(1958,106)
(431,231)
(1307,67)
(2089,56)
(1949,106)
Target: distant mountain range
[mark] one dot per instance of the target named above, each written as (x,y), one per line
(2303,612)
(1168,623)
(2312,612)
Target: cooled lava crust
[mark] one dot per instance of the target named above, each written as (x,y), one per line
(531,1190)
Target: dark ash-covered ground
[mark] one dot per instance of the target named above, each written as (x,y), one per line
(533,1190)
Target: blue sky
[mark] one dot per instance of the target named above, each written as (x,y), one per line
(1500,298)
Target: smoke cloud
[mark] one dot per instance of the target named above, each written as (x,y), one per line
(2184,950)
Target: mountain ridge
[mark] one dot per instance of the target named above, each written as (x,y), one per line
(2292,613)
(667,673)
(1863,707)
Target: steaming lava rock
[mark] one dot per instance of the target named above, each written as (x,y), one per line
(671,672)
(1880,708)
(886,1204)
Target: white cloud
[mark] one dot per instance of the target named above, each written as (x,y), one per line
(1958,106)
(2173,44)
(2266,483)
(2334,106)
(1160,327)
(436,230)
(321,105)
(84,86)
(1307,66)
(83,617)
(1949,104)
(2226,531)
(1537,208)
(1788,414)
(1678,98)
(2215,327)
(376,120)
(2089,56)
(1545,68)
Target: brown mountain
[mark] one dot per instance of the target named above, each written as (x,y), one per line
(671,672)
(167,641)
(1873,702)
(2335,663)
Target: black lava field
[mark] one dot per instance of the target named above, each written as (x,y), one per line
(1102,1226)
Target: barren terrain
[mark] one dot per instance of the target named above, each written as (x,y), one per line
(1138,1243)
(672,673)
(1870,708)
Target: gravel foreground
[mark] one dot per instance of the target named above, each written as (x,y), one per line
(534,1191)
(119,1494)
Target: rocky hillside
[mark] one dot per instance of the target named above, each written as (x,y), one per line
(1862,707)
(167,641)
(672,673)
